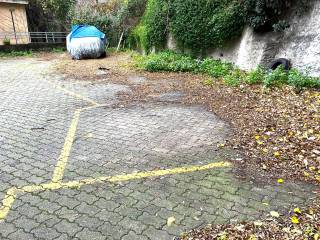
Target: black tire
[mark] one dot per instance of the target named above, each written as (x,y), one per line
(280,61)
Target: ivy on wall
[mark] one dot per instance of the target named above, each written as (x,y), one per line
(199,25)
(203,24)
(152,29)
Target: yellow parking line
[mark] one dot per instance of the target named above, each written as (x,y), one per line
(7,202)
(65,152)
(12,192)
(77,95)
(123,177)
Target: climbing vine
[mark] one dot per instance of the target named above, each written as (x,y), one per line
(204,24)
(199,25)
(152,29)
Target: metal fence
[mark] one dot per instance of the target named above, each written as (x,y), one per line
(28,37)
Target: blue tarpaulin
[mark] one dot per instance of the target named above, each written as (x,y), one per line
(81,31)
(86,41)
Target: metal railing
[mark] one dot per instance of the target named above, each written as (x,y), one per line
(28,37)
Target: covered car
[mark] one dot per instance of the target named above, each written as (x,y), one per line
(86,41)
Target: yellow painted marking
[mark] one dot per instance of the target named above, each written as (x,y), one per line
(7,202)
(77,95)
(122,178)
(12,192)
(56,183)
(65,152)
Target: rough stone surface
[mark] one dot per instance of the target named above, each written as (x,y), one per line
(34,119)
(299,43)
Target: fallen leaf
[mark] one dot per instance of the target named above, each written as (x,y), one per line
(297,210)
(295,220)
(170,221)
(280,180)
(274,214)
(258,223)
(220,145)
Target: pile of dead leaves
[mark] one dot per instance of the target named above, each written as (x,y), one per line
(278,130)
(298,225)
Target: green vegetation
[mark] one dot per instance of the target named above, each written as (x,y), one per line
(49,15)
(214,68)
(152,29)
(59,50)
(167,61)
(17,54)
(30,53)
(228,73)
(90,17)
(200,25)
(6,41)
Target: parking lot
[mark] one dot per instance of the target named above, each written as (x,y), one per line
(77,164)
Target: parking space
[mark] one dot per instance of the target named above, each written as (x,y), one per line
(75,166)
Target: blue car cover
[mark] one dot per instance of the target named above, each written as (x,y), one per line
(86,41)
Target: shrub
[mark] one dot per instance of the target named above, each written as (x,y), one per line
(215,68)
(263,14)
(277,77)
(202,24)
(169,61)
(256,76)
(6,41)
(235,78)
(300,80)
(139,37)
(232,76)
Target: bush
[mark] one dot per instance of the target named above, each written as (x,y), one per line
(215,68)
(202,24)
(300,80)
(276,78)
(169,61)
(232,76)
(235,78)
(6,41)
(256,76)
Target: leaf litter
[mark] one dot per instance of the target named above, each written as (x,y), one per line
(276,130)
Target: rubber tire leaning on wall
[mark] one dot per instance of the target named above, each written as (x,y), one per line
(280,61)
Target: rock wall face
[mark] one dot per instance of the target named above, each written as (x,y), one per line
(300,43)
